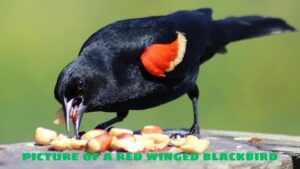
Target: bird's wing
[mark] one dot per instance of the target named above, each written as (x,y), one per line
(175,58)
(165,46)
(158,59)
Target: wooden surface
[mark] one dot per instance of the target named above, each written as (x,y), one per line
(288,148)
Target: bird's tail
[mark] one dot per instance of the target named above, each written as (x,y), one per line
(239,28)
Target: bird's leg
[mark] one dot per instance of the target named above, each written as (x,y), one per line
(120,116)
(193,95)
(195,129)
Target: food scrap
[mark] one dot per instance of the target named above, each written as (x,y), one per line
(59,117)
(151,138)
(254,140)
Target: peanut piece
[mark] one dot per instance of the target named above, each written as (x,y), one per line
(178,142)
(92,133)
(61,136)
(60,144)
(118,141)
(127,142)
(44,136)
(191,139)
(118,131)
(59,117)
(152,129)
(160,140)
(99,143)
(132,147)
(78,144)
(195,147)
(147,142)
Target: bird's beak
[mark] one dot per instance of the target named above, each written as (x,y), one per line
(74,109)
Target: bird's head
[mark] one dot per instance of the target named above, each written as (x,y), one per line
(76,89)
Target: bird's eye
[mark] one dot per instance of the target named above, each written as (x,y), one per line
(80,84)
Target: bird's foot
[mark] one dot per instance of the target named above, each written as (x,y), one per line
(177,135)
(195,130)
(104,127)
(80,134)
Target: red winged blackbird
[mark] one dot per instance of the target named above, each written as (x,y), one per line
(141,63)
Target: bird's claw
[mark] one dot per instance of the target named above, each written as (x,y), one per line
(79,135)
(195,130)
(177,135)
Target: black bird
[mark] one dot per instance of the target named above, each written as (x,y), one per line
(141,63)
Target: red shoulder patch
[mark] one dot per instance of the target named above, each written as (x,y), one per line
(160,58)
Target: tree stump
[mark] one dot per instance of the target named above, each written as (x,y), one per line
(286,147)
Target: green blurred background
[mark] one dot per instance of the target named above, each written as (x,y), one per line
(255,87)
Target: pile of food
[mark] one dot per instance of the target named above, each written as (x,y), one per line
(151,138)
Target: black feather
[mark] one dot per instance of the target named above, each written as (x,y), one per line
(239,28)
